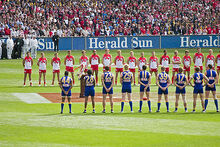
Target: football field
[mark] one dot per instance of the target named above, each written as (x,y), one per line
(27,118)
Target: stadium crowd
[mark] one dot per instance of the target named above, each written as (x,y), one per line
(109,18)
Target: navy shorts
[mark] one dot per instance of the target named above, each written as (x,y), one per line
(207,88)
(142,88)
(160,91)
(198,90)
(104,91)
(124,90)
(63,94)
(180,91)
(89,91)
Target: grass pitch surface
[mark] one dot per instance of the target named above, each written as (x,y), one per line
(23,124)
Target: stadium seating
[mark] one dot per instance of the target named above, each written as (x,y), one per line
(109,18)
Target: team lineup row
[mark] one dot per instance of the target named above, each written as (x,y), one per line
(119,61)
(208,79)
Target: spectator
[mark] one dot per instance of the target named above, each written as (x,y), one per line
(109,18)
(55,39)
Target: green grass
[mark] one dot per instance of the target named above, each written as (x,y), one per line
(23,124)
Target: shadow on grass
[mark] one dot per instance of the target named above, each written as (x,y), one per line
(130,114)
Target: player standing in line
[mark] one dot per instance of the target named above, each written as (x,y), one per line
(210,59)
(213,78)
(198,87)
(153,64)
(131,61)
(107,60)
(55,62)
(180,82)
(126,80)
(89,90)
(42,63)
(176,64)
(107,82)
(217,61)
(83,61)
(27,63)
(66,86)
(141,61)
(94,60)
(163,81)
(69,61)
(144,78)
(198,59)
(119,63)
(165,61)
(186,63)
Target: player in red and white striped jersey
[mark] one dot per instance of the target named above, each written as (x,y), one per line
(186,63)
(119,64)
(210,59)
(84,61)
(217,61)
(69,61)
(55,62)
(132,62)
(141,61)
(153,64)
(106,60)
(27,63)
(176,61)
(42,63)
(165,61)
(198,59)
(94,60)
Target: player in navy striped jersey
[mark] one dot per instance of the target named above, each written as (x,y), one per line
(66,86)
(107,82)
(213,79)
(126,81)
(163,82)
(144,78)
(89,89)
(198,85)
(180,82)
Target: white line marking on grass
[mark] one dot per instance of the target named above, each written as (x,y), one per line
(31,98)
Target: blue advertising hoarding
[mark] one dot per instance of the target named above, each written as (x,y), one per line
(129,42)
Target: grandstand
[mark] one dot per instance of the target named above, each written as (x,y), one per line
(109,18)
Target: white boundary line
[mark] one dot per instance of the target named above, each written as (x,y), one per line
(31,98)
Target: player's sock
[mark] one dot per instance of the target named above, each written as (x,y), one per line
(62,105)
(176,108)
(116,82)
(131,105)
(141,102)
(172,79)
(70,107)
(122,106)
(185,108)
(39,83)
(73,82)
(158,106)
(216,104)
(149,105)
(167,104)
(206,103)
